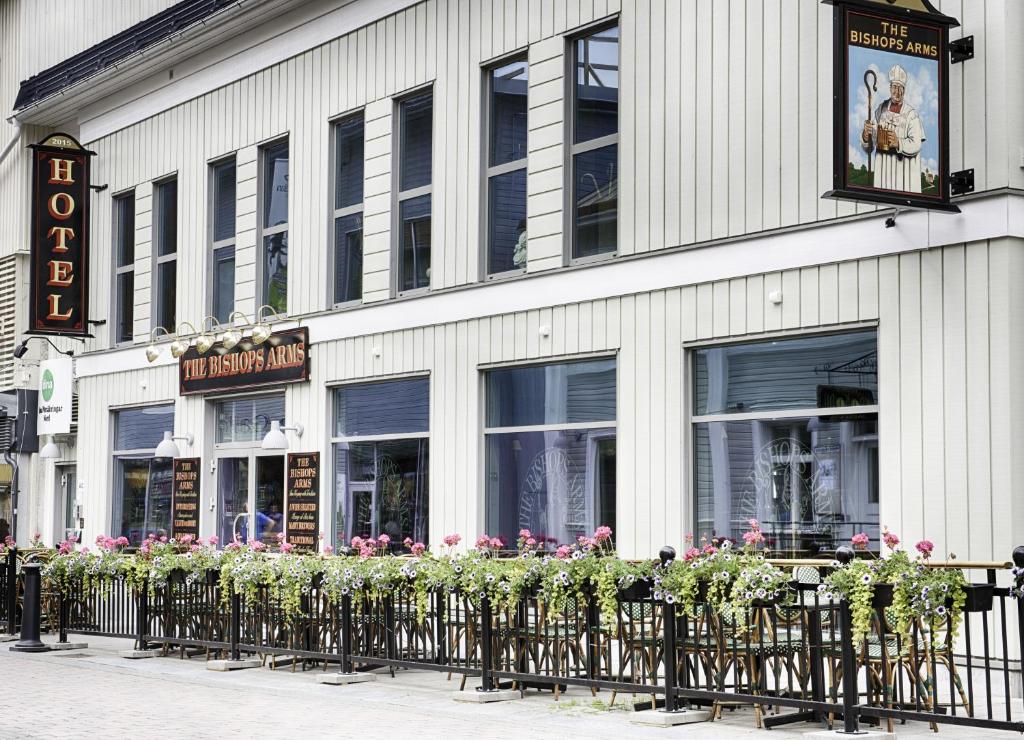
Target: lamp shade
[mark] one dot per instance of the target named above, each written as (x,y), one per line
(275,439)
(167,447)
(50,450)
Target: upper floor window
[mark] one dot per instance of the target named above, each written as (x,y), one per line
(348,209)
(595,143)
(415,155)
(222,175)
(506,167)
(165,253)
(274,232)
(124,267)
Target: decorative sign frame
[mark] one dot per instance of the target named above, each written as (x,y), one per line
(283,358)
(185,496)
(59,283)
(891,103)
(302,520)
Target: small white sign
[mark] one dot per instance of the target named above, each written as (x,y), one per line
(56,378)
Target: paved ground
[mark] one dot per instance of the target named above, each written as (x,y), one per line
(94,693)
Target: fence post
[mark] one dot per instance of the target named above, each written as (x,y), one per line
(441,633)
(346,634)
(12,590)
(593,637)
(849,656)
(142,615)
(234,636)
(668,626)
(31,609)
(486,681)
(63,616)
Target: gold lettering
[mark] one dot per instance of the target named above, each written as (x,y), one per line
(54,303)
(60,171)
(61,273)
(63,234)
(54,207)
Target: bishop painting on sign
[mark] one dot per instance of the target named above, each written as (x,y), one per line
(895,137)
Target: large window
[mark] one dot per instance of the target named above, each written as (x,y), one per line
(595,143)
(274,231)
(381,460)
(222,175)
(248,419)
(786,432)
(415,153)
(506,167)
(124,267)
(165,253)
(550,450)
(348,210)
(142,484)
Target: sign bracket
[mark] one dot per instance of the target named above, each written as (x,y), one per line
(960,50)
(962,182)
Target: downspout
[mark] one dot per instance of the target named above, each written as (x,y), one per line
(14,140)
(13,462)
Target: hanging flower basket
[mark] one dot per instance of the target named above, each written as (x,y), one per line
(979,597)
(639,590)
(882,596)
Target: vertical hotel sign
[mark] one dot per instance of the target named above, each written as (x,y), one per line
(60,237)
(891,103)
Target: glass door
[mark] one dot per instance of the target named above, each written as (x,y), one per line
(233,499)
(67,486)
(251,483)
(269,497)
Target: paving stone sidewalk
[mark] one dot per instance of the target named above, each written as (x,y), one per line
(94,693)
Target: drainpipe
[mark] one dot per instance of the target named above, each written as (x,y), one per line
(13,462)
(14,140)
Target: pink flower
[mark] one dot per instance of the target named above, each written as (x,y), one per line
(195,548)
(753,524)
(407,542)
(497,543)
(122,541)
(85,550)
(328,550)
(164,538)
(214,539)
(280,536)
(286,547)
(9,541)
(418,548)
(383,540)
(371,543)
(602,533)
(482,542)
(186,539)
(753,537)
(690,554)
(564,552)
(525,534)
(452,540)
(709,549)
(366,551)
(357,543)
(257,546)
(925,547)
(860,541)
(72,539)
(531,542)
(891,540)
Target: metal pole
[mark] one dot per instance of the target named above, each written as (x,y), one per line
(12,590)
(236,626)
(142,616)
(669,627)
(30,642)
(63,614)
(486,682)
(849,662)
(346,634)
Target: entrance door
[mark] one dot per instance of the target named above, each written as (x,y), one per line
(68,486)
(246,484)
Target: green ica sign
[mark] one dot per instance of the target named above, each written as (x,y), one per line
(47,385)
(56,380)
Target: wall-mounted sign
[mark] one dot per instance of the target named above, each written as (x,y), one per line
(59,300)
(891,108)
(185,497)
(283,358)
(56,378)
(303,518)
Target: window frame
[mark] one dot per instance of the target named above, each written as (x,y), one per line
(262,231)
(131,453)
(573,149)
(336,213)
(215,245)
(158,296)
(489,172)
(125,196)
(399,197)
(235,446)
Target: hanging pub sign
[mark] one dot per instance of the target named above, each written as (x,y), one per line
(283,358)
(59,293)
(185,497)
(891,103)
(302,521)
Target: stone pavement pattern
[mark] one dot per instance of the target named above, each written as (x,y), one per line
(94,693)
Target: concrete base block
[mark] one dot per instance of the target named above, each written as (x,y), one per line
(840,735)
(68,645)
(232,665)
(661,718)
(344,679)
(138,654)
(486,697)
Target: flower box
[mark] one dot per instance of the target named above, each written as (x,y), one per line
(979,597)
(316,581)
(212,576)
(636,591)
(882,596)
(176,577)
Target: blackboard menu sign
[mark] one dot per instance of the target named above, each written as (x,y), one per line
(185,497)
(303,521)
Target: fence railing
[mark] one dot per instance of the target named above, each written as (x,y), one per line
(791,661)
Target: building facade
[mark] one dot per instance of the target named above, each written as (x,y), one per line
(560,264)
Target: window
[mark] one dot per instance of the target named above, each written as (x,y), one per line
(786,432)
(550,450)
(506,168)
(415,153)
(348,210)
(274,234)
(381,460)
(124,267)
(223,239)
(247,419)
(165,253)
(595,143)
(142,484)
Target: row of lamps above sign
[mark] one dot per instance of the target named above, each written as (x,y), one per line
(203,340)
(274,439)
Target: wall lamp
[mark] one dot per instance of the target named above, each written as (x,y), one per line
(167,447)
(22,348)
(228,335)
(275,438)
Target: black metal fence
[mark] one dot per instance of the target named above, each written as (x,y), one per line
(791,662)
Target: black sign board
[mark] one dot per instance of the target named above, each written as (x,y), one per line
(185,497)
(303,517)
(59,292)
(891,103)
(283,358)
